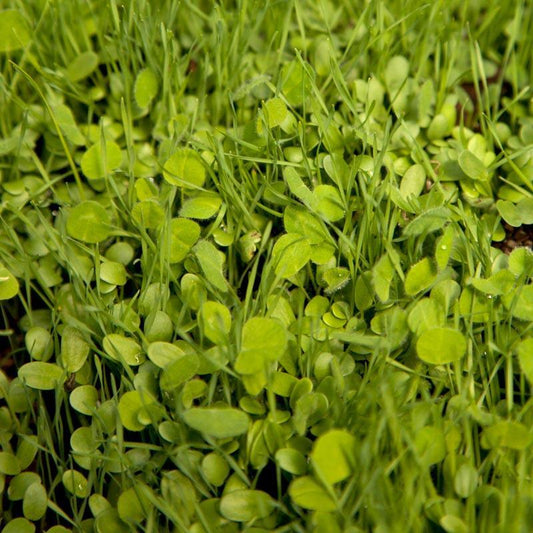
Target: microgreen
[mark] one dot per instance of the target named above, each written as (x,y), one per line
(266,266)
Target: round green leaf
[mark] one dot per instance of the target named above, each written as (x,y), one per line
(120,347)
(472,166)
(290,254)
(148,214)
(201,207)
(509,213)
(307,493)
(158,326)
(525,356)
(426,314)
(20,483)
(35,502)
(297,219)
(164,353)
(27,450)
(335,279)
(132,505)
(42,376)
(183,235)
(15,32)
(130,406)
(500,283)
(179,371)
(18,525)
(328,203)
(9,464)
(420,276)
(245,505)
(82,66)
(413,181)
(145,88)
(291,460)
(396,73)
(74,349)
(333,455)
(76,483)
(67,123)
(113,273)
(84,399)
(212,264)
(263,340)
(524,209)
(120,252)
(507,434)
(466,480)
(215,469)
(275,111)
(108,521)
(439,346)
(522,306)
(93,163)
(185,169)
(215,320)
(39,343)
(9,286)
(89,222)
(430,445)
(219,422)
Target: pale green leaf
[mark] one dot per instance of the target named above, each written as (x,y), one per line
(439,346)
(246,505)
(145,88)
(307,493)
(98,161)
(185,169)
(218,422)
(89,222)
(15,32)
(42,376)
(333,455)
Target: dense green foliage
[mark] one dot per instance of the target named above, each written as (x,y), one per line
(253,270)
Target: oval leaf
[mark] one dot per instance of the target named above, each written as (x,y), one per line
(245,505)
(42,376)
(290,254)
(9,286)
(439,346)
(201,207)
(221,423)
(145,88)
